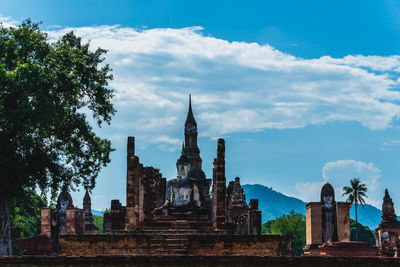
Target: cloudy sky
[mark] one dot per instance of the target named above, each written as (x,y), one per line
(303,93)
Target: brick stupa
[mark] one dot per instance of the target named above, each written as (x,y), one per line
(387,234)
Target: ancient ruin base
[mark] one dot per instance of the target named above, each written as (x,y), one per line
(311,250)
(35,245)
(341,249)
(171,243)
(194,261)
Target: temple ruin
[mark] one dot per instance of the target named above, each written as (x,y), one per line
(328,229)
(387,234)
(187,215)
(184,202)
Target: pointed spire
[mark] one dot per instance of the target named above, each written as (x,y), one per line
(190,118)
(87,196)
(87,203)
(389,218)
(183,148)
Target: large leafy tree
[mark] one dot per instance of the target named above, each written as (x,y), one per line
(293,223)
(47,89)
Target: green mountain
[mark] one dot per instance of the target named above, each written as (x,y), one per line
(274,204)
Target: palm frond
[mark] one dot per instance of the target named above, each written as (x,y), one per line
(350,199)
(362,201)
(356,192)
(362,194)
(347,190)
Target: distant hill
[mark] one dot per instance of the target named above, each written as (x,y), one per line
(97,213)
(369,215)
(274,204)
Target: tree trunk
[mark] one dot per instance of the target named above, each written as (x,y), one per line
(5,229)
(356,220)
(356,212)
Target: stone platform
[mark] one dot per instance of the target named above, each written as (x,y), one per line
(171,242)
(342,249)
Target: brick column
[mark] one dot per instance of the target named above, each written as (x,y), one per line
(219,187)
(131,180)
(313,223)
(254,218)
(343,221)
(45,226)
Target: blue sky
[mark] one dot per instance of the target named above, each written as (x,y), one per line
(304,92)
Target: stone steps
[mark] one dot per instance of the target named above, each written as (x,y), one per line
(175,233)
(179,225)
(175,252)
(169,245)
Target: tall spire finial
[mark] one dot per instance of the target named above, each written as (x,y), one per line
(190,118)
(190,103)
(87,196)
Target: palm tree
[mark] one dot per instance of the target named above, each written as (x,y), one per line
(356,194)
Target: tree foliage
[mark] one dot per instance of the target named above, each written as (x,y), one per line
(25,215)
(47,89)
(46,92)
(98,222)
(294,223)
(359,232)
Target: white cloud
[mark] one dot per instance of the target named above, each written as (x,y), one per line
(391,143)
(375,63)
(8,21)
(309,192)
(236,86)
(338,174)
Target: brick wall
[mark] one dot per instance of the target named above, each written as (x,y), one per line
(94,245)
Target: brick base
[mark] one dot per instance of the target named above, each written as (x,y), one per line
(171,243)
(342,249)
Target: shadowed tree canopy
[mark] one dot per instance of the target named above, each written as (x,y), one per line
(25,217)
(47,91)
(359,232)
